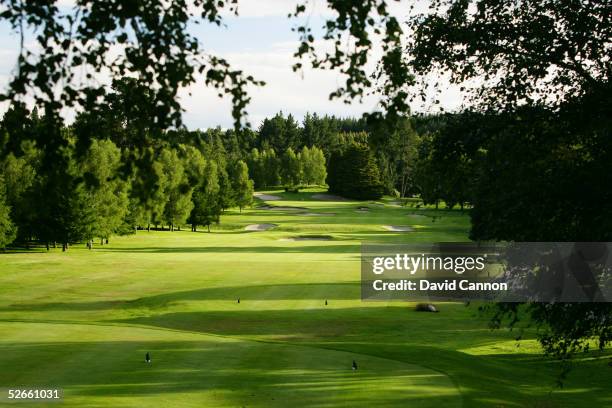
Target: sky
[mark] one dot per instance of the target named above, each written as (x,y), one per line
(260,42)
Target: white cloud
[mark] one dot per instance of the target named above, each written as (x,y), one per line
(285,90)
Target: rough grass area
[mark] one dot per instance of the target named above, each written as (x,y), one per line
(83,320)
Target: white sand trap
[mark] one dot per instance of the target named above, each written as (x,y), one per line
(281,208)
(313,214)
(309,238)
(267,197)
(259,227)
(398,228)
(328,197)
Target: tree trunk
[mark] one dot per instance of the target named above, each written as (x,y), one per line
(149,227)
(64,247)
(208,227)
(47,245)
(101,241)
(54,244)
(437,202)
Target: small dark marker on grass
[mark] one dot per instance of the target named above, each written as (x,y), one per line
(147,357)
(354,365)
(238,300)
(325,302)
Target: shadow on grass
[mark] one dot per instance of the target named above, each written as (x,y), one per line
(245,373)
(451,328)
(304,291)
(224,373)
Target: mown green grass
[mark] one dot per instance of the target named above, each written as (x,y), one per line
(83,320)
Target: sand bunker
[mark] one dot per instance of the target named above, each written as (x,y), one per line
(281,208)
(313,214)
(309,238)
(362,209)
(267,197)
(328,197)
(398,228)
(259,227)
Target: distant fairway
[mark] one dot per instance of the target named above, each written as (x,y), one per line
(83,320)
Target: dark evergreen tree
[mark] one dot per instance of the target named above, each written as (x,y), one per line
(353,173)
(8,230)
(206,199)
(242,185)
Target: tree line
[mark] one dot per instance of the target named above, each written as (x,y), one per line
(290,169)
(62,184)
(96,181)
(71,196)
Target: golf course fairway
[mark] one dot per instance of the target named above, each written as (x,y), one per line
(239,318)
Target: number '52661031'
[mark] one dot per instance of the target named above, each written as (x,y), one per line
(34,394)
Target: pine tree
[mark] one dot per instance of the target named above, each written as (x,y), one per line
(354,174)
(8,231)
(226,191)
(108,195)
(255,163)
(270,168)
(20,178)
(206,199)
(290,171)
(243,186)
(178,191)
